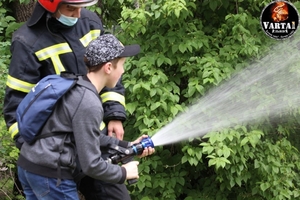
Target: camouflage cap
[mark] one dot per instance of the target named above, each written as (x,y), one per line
(106,48)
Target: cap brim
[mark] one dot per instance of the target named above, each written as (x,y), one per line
(81,5)
(130,50)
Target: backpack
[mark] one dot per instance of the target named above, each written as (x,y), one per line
(37,106)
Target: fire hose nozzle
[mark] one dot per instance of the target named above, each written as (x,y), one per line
(138,148)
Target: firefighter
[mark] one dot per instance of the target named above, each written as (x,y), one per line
(51,41)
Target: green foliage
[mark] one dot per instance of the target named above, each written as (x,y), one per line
(241,156)
(189,47)
(7,22)
(8,152)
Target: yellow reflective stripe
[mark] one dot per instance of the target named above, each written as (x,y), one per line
(113,96)
(53,53)
(58,66)
(102,126)
(18,85)
(57,49)
(93,34)
(13,129)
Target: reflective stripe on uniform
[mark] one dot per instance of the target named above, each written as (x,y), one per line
(113,96)
(93,34)
(19,85)
(102,126)
(53,53)
(13,129)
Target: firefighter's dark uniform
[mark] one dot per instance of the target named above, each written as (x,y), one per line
(44,46)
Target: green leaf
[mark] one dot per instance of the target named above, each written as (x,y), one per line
(238,181)
(296,193)
(182,48)
(184,159)
(146,86)
(148,184)
(130,107)
(212,162)
(208,149)
(226,152)
(152,92)
(141,185)
(162,184)
(244,141)
(136,87)
(174,111)
(213,5)
(199,155)
(154,6)
(160,61)
(264,186)
(213,139)
(181,181)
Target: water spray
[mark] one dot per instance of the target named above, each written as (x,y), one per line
(268,89)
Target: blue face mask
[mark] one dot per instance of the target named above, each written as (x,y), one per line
(68,21)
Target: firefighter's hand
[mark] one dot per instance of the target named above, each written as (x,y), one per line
(115,129)
(131,170)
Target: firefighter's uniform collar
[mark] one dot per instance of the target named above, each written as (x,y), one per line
(37,14)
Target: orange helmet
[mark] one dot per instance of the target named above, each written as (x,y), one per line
(52,5)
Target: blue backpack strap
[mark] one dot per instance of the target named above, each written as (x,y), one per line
(78,79)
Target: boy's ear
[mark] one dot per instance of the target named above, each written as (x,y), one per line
(108,67)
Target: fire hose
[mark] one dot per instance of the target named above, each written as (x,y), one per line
(119,155)
(124,155)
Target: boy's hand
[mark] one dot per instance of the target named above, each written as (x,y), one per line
(147,151)
(131,170)
(139,139)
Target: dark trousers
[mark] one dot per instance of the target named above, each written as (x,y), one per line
(93,189)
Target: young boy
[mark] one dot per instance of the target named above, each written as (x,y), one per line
(45,167)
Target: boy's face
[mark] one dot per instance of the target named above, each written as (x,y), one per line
(116,73)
